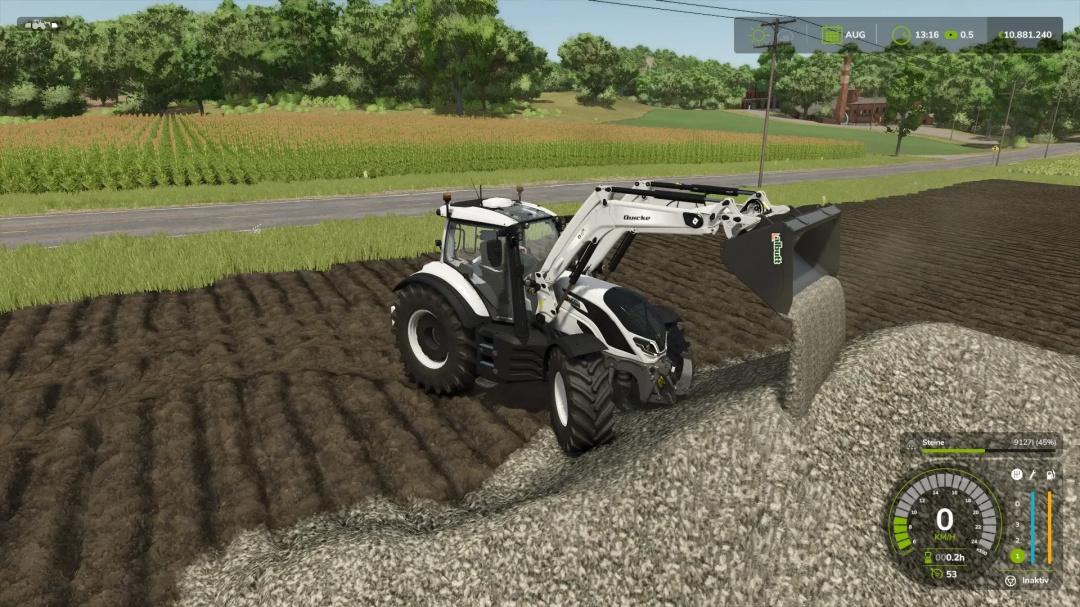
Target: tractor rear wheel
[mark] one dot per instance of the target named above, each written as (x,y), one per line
(579,400)
(439,354)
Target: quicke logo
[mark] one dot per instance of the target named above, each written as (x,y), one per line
(636,217)
(777,246)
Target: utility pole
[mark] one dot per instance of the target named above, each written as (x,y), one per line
(775,25)
(1053,122)
(997,156)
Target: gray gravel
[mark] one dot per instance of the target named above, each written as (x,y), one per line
(724,499)
(818,329)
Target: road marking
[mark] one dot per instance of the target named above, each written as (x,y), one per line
(14,232)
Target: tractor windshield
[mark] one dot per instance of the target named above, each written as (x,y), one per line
(540,237)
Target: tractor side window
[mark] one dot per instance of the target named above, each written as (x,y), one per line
(465,243)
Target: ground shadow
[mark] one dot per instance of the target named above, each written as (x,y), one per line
(529,396)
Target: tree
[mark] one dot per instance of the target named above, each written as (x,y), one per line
(501,55)
(301,44)
(810,80)
(377,49)
(959,119)
(903,100)
(238,40)
(102,64)
(152,37)
(594,64)
(446,31)
(193,64)
(632,62)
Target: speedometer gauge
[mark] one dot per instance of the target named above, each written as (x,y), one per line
(945,526)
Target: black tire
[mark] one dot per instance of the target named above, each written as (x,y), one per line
(587,416)
(439,354)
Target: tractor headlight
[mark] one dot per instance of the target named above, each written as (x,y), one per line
(646,345)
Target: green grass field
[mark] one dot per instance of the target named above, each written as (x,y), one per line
(877,142)
(33,204)
(122,264)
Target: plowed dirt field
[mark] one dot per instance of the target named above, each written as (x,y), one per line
(138,431)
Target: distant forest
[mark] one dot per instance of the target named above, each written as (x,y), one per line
(459,52)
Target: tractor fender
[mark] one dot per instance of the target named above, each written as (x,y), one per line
(579,344)
(459,293)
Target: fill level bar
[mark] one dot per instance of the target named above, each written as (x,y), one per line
(1049,527)
(983,450)
(1032,526)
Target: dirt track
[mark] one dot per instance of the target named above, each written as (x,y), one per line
(139,431)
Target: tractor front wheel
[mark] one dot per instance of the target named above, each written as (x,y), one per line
(579,400)
(438,353)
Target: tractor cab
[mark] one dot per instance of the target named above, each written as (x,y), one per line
(475,243)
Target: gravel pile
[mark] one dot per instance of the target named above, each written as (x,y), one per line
(724,499)
(817,317)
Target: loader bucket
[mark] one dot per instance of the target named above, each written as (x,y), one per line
(783,255)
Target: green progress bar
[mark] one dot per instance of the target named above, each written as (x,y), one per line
(929,450)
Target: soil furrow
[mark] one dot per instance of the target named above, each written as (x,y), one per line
(304,279)
(448,453)
(181,526)
(22,337)
(277,452)
(248,294)
(118,506)
(273,286)
(42,542)
(380,287)
(242,502)
(325,284)
(337,461)
(401,460)
(484,433)
(14,477)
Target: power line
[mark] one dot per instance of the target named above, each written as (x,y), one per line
(668,10)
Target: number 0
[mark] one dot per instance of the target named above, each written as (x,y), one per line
(944,512)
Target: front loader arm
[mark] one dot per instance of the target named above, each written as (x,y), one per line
(602,220)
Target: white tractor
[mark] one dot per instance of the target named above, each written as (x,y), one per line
(516,296)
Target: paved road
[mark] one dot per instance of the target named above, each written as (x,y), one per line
(56,228)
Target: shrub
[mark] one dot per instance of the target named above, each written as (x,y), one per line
(24,97)
(132,104)
(1019,142)
(62,101)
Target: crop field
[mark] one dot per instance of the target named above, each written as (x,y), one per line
(877,141)
(138,431)
(1066,167)
(122,153)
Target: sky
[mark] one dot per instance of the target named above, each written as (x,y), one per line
(550,22)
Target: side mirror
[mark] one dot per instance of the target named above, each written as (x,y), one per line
(438,243)
(493,249)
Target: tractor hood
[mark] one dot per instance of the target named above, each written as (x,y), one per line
(622,315)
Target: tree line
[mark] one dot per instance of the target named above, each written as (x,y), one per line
(460,52)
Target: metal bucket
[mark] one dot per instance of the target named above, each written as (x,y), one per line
(783,255)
